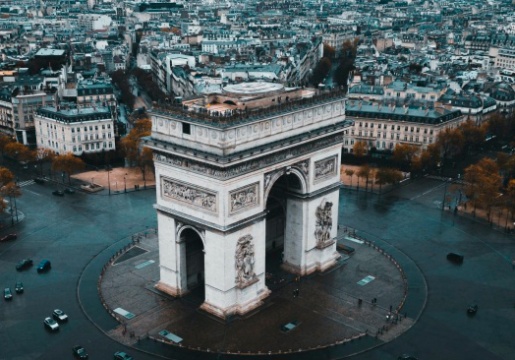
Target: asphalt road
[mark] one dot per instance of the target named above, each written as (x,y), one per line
(72,230)
(69,231)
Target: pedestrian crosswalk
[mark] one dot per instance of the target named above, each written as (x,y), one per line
(26,183)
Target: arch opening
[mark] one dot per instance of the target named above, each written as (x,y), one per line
(276,219)
(194,258)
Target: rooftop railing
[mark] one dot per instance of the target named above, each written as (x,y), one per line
(242,116)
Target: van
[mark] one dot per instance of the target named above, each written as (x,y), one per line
(44,265)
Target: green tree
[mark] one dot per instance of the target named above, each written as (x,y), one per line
(364,172)
(68,164)
(451,142)
(329,51)
(359,149)
(350,172)
(4,141)
(483,183)
(321,70)
(403,154)
(43,155)
(6,184)
(473,135)
(130,145)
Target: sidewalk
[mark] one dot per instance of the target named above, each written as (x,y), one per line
(328,311)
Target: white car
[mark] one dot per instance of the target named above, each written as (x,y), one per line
(59,315)
(51,324)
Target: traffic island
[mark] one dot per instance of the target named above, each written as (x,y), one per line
(361,303)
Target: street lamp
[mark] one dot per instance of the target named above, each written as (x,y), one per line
(445,192)
(108,180)
(124,184)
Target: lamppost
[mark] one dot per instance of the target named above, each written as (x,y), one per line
(445,192)
(124,184)
(108,180)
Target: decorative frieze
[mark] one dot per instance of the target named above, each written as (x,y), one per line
(326,168)
(224,173)
(189,194)
(244,260)
(244,198)
(324,223)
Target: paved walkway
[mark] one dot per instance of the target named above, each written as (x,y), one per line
(334,310)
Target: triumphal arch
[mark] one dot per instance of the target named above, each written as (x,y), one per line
(240,174)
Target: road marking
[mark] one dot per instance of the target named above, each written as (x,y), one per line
(354,239)
(365,280)
(26,183)
(427,192)
(143,264)
(32,192)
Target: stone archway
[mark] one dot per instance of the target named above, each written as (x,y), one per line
(224,174)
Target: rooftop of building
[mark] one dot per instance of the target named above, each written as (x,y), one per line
(393,112)
(74,115)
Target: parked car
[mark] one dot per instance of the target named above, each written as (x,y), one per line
(58,193)
(79,352)
(8,295)
(18,287)
(59,315)
(44,265)
(455,258)
(472,309)
(120,355)
(24,264)
(9,237)
(51,324)
(39,180)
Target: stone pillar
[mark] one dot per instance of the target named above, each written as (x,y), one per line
(310,236)
(171,257)
(235,274)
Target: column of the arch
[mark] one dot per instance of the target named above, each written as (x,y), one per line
(172,257)
(224,296)
(321,256)
(303,253)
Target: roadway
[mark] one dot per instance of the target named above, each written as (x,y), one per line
(71,231)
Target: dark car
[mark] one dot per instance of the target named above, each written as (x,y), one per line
(24,264)
(120,355)
(59,315)
(455,258)
(79,352)
(39,180)
(58,193)
(9,237)
(44,265)
(8,295)
(472,309)
(18,287)
(69,191)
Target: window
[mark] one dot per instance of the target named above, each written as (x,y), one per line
(96,127)
(73,130)
(398,128)
(186,128)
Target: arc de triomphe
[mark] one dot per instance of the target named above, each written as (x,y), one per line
(216,160)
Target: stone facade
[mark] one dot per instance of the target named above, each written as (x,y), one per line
(216,182)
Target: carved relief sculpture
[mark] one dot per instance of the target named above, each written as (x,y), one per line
(189,194)
(244,198)
(325,168)
(324,222)
(245,259)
